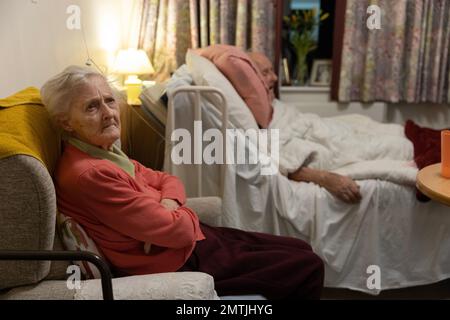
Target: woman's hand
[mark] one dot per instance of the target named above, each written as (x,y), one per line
(342,187)
(170,204)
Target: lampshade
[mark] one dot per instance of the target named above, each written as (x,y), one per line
(132,61)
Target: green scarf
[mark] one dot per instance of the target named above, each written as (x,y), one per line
(115,155)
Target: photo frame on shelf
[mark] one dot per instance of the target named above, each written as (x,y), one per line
(321,73)
(286,77)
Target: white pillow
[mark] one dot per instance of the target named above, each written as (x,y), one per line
(205,73)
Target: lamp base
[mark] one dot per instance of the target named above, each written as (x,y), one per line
(134,87)
(133,92)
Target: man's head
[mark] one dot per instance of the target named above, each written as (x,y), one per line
(266,68)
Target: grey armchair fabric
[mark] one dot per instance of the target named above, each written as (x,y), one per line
(27,215)
(208,209)
(27,222)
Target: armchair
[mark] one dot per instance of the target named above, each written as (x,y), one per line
(33,262)
(28,213)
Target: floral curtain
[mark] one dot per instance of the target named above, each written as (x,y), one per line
(407,59)
(170,27)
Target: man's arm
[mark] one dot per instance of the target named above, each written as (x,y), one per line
(341,187)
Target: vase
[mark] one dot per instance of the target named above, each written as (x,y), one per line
(301,70)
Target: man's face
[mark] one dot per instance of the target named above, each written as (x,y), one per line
(266,68)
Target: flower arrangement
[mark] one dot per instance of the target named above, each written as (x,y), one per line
(301,26)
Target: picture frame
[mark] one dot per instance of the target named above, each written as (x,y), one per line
(286,76)
(321,73)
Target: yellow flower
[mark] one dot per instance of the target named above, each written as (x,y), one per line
(324,16)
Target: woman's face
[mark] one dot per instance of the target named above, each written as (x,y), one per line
(94,115)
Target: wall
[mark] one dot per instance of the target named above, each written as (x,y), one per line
(36,44)
(316,100)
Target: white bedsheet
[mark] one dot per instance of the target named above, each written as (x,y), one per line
(407,240)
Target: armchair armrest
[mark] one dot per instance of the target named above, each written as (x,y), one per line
(170,285)
(158,286)
(208,209)
(47,255)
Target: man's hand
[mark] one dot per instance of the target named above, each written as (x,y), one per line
(341,187)
(170,204)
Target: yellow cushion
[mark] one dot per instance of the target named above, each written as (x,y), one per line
(25,128)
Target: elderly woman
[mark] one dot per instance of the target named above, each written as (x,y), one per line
(122,205)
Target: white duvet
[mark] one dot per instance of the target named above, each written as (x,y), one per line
(352,145)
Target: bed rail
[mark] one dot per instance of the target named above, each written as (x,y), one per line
(198,91)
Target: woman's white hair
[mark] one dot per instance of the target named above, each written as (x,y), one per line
(58,92)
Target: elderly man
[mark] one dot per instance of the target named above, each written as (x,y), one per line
(340,186)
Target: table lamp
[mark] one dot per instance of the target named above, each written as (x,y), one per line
(132,62)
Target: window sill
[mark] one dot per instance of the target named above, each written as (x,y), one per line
(304,89)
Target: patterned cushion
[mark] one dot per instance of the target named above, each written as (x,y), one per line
(75,238)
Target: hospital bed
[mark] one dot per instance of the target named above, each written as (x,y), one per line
(389,240)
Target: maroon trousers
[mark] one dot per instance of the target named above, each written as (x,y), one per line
(256,263)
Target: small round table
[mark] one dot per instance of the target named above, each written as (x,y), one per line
(432,184)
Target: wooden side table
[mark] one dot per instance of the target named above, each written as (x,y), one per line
(145,139)
(432,184)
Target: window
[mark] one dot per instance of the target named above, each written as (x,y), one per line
(322,35)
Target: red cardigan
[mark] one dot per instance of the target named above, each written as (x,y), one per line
(121,213)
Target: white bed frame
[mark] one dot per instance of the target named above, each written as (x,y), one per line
(197,91)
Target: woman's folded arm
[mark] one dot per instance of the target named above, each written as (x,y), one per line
(134,213)
(170,186)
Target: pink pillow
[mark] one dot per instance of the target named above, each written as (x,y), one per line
(246,78)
